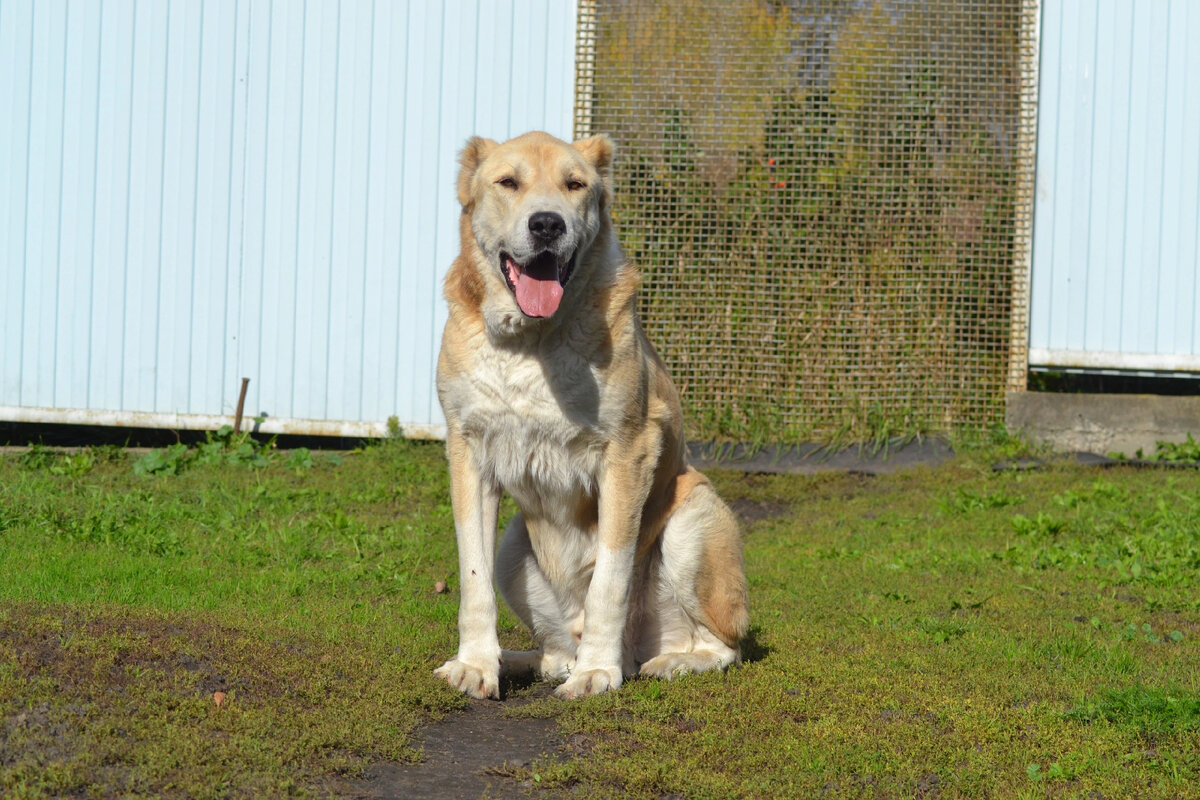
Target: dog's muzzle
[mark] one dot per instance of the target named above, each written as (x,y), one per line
(537,284)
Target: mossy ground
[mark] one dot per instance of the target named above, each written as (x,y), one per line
(949,632)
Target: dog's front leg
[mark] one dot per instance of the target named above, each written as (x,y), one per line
(623,490)
(476,668)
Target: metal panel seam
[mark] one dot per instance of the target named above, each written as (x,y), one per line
(299,183)
(337,92)
(195,201)
(362,322)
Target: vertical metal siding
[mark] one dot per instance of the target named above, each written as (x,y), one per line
(15,47)
(1118,186)
(191,192)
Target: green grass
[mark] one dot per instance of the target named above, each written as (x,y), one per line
(1146,709)
(956,632)
(306,594)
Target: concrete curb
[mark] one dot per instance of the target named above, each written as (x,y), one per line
(1102,423)
(811,459)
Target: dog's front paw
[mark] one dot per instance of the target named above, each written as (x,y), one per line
(478,678)
(589,682)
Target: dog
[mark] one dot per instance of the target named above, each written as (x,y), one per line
(623,559)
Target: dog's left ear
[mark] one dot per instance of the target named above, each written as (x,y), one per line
(473,154)
(598,150)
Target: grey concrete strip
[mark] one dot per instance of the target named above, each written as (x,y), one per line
(810,459)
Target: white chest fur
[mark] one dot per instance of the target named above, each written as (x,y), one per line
(534,424)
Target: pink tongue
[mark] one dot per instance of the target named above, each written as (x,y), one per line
(537,297)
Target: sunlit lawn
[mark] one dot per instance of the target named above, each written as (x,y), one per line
(957,632)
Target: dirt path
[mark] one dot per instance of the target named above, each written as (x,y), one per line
(469,755)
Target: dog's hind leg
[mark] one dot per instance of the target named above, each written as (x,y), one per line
(700,590)
(529,594)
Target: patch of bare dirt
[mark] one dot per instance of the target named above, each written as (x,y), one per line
(89,653)
(751,511)
(99,659)
(479,752)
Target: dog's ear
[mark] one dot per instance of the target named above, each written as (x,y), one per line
(599,151)
(473,154)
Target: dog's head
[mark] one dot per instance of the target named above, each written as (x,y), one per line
(536,205)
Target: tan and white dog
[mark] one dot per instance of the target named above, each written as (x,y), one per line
(623,559)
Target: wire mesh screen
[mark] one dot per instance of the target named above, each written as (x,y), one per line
(829,202)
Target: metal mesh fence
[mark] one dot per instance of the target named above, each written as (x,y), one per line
(829,200)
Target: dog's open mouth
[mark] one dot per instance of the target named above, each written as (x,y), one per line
(537,284)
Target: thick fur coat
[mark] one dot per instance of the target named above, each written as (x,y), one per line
(622,559)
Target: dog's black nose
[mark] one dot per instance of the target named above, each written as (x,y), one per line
(546,226)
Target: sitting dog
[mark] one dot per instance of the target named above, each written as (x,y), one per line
(623,559)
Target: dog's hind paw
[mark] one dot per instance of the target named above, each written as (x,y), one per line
(589,682)
(479,681)
(672,665)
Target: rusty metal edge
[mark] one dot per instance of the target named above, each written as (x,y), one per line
(201,422)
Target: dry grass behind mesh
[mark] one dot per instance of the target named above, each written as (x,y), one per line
(823,200)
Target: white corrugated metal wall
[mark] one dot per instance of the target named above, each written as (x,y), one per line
(195,191)
(1117,213)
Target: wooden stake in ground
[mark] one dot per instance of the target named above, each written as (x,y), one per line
(237,417)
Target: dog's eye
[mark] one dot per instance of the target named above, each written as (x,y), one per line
(507,183)
(575,186)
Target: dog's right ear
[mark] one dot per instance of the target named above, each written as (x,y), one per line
(477,149)
(599,151)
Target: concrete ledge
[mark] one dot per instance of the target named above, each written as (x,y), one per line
(810,459)
(1102,423)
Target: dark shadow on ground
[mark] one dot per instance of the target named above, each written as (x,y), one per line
(24,434)
(752,649)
